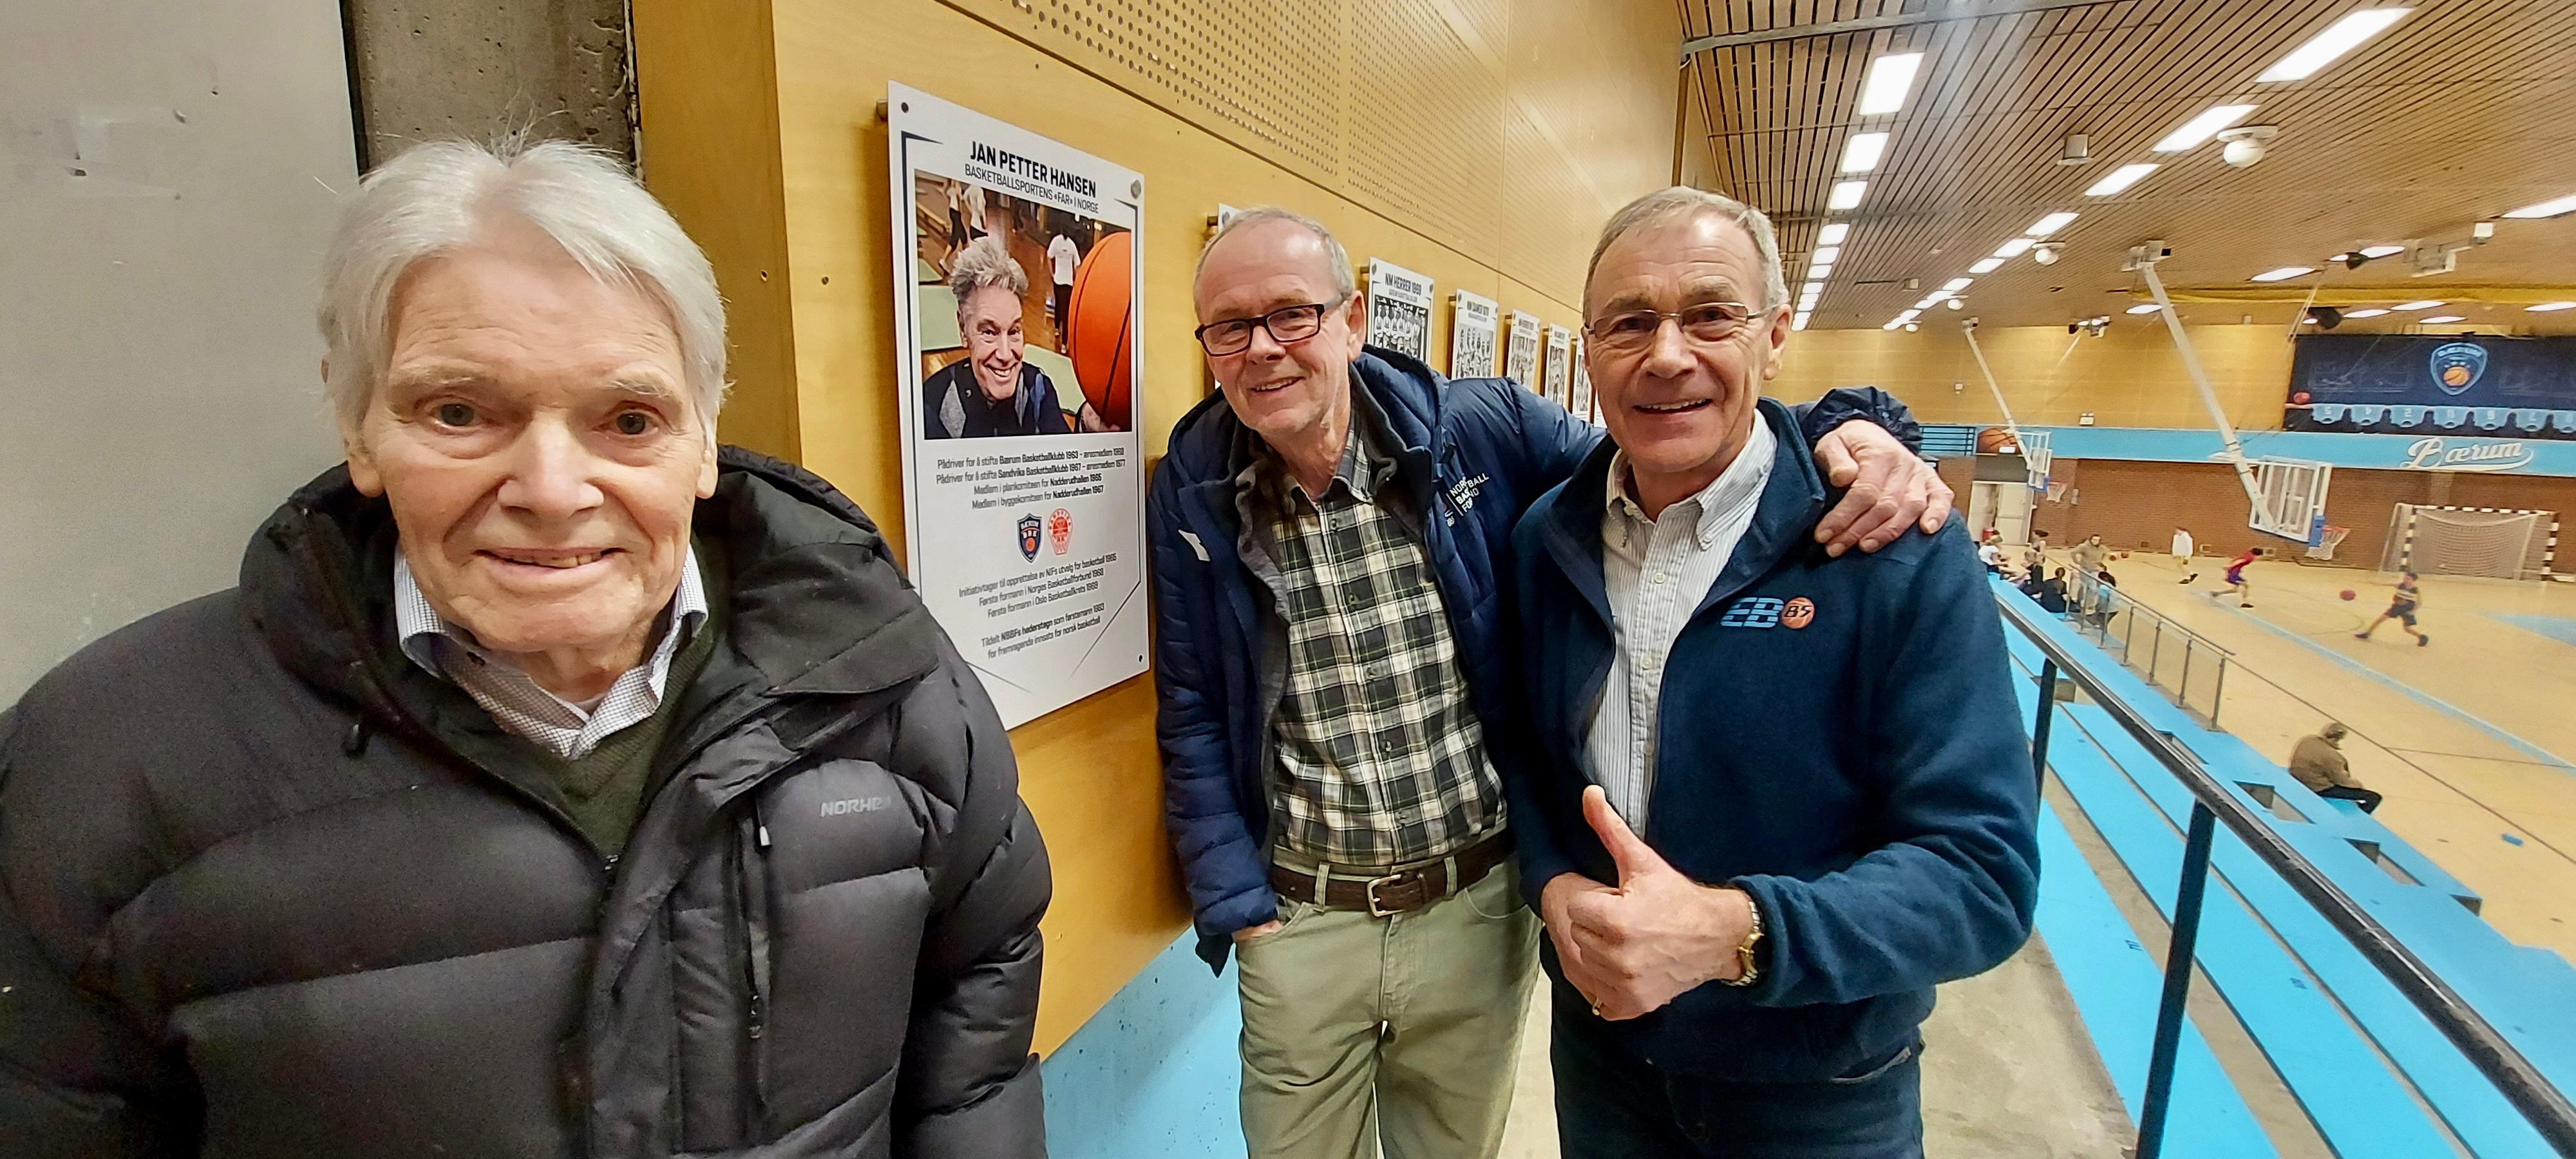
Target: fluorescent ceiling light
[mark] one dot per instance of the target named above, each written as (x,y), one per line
(2546,307)
(1928,303)
(1819,273)
(2340,37)
(1846,194)
(1908,315)
(2200,129)
(1985,265)
(2438,319)
(2426,304)
(1889,79)
(2546,208)
(2370,313)
(2146,308)
(1891,324)
(2014,248)
(1834,233)
(1798,321)
(1825,255)
(2381,251)
(2283,274)
(1955,285)
(2120,178)
(1861,153)
(2048,225)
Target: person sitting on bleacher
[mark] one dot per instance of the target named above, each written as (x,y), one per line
(2318,763)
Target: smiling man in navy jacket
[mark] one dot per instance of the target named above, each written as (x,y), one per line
(1820,752)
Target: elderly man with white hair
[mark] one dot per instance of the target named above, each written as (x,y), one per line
(554,783)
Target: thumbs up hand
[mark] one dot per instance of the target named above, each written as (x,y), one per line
(1634,947)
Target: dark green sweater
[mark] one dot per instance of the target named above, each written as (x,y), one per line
(604,789)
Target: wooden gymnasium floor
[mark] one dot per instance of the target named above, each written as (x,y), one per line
(2472,739)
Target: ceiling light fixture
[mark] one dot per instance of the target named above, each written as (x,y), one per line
(1819,273)
(1985,265)
(1825,255)
(2340,37)
(1798,321)
(2283,274)
(2200,129)
(1861,153)
(2373,312)
(2381,251)
(1955,285)
(2144,308)
(2120,179)
(1846,194)
(1833,233)
(2014,248)
(2546,208)
(2048,225)
(2439,319)
(2546,307)
(1889,78)
(2426,304)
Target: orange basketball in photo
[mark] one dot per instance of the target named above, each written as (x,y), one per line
(1099,343)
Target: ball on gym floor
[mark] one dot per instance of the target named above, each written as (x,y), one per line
(1101,347)
(2349,594)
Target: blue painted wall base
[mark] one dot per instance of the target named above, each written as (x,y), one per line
(1154,1074)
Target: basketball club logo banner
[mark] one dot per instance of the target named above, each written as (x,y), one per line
(1018,299)
(2441,385)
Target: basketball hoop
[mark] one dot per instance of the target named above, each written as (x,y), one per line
(2325,547)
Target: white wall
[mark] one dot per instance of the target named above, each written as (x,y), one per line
(166,181)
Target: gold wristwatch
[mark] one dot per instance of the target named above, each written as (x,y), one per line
(1744,953)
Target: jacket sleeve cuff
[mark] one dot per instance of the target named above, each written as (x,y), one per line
(1845,403)
(1008,1121)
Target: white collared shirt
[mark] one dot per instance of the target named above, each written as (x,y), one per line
(515,700)
(1657,571)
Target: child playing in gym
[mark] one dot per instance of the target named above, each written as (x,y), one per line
(2401,608)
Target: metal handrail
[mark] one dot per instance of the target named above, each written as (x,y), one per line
(2521,1083)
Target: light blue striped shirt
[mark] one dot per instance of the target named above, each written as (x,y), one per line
(1657,572)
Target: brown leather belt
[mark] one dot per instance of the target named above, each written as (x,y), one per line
(1398,892)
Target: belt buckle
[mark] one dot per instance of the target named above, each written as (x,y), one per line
(1373,908)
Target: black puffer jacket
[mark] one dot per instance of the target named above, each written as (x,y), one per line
(266,889)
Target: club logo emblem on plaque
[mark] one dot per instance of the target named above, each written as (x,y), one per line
(1029,533)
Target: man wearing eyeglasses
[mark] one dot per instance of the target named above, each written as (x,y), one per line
(1327,537)
(1766,798)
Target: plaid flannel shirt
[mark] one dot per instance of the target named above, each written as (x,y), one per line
(1380,758)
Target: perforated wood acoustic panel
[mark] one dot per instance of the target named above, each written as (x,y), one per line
(1490,126)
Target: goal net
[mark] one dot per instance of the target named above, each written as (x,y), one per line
(2464,541)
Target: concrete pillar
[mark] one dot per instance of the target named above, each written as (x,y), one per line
(435,68)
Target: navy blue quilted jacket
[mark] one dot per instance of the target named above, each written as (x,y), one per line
(1837,737)
(1474,453)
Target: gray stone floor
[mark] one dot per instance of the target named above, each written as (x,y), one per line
(2008,1070)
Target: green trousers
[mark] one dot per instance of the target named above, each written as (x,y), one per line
(1399,1032)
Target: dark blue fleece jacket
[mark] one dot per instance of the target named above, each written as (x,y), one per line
(1859,770)
(1471,454)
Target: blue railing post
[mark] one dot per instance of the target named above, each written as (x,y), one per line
(2039,723)
(2178,957)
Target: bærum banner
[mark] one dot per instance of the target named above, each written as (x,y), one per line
(1017,305)
(1399,309)
(2433,384)
(1472,319)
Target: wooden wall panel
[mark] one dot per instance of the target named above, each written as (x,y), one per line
(2130,377)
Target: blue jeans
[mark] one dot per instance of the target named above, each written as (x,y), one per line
(1613,1105)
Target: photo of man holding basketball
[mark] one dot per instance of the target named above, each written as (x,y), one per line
(1041,301)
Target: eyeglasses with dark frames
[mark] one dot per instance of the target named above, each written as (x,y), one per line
(1284,325)
(1704,323)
